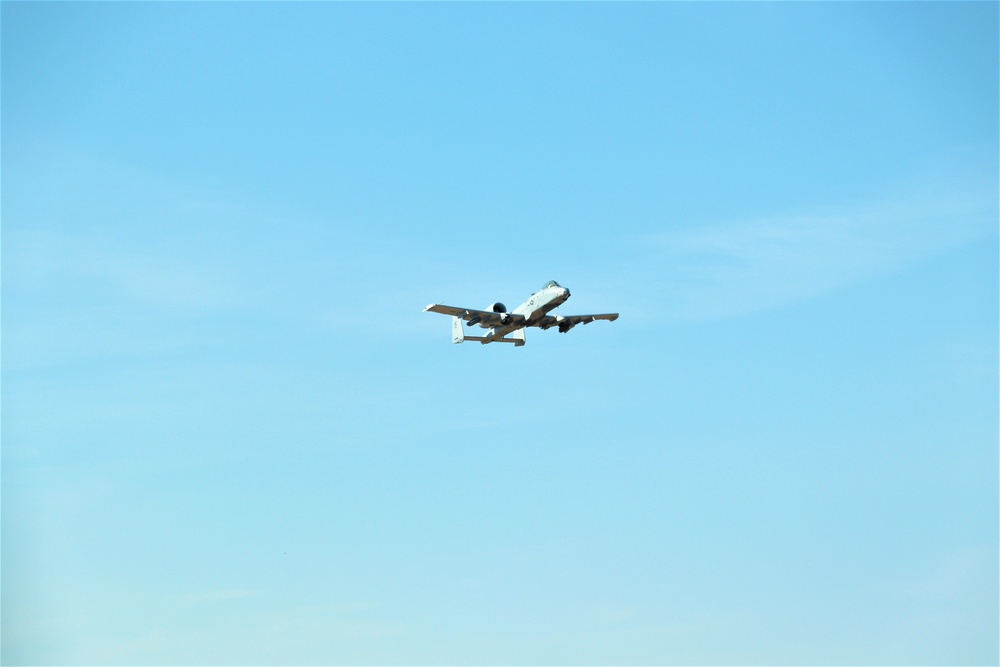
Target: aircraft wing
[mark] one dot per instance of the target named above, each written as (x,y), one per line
(481,317)
(567,322)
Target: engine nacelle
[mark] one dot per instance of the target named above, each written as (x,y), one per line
(500,310)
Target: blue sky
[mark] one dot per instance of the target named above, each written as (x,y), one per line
(230,435)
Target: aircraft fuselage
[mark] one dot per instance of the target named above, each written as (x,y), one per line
(508,327)
(534,309)
(541,302)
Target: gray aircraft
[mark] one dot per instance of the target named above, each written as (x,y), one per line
(509,327)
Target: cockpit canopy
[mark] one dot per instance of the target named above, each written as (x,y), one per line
(551,283)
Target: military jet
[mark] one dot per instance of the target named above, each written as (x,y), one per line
(509,327)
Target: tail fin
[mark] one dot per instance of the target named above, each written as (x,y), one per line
(458,332)
(458,335)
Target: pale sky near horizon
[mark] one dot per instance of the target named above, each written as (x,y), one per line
(230,435)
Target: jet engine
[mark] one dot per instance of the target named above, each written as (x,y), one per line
(501,309)
(498,308)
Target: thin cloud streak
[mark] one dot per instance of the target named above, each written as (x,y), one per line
(744,267)
(56,262)
(219,596)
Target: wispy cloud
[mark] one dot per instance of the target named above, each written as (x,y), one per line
(219,595)
(47,260)
(746,266)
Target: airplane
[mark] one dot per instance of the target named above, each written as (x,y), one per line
(509,327)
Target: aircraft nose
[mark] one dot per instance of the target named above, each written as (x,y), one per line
(565,292)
